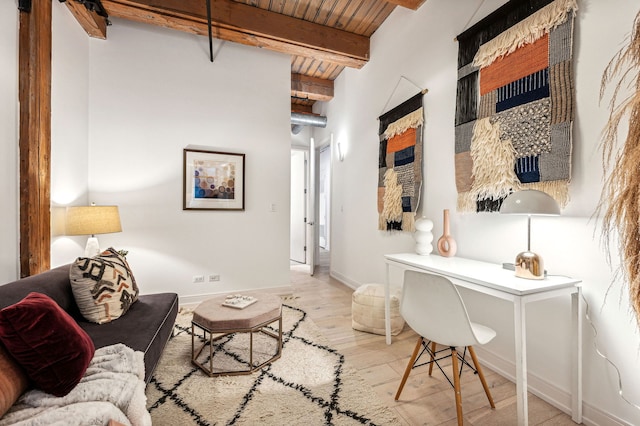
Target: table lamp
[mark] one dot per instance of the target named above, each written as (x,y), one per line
(92,220)
(529,202)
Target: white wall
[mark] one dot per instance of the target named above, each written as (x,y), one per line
(69,128)
(301,139)
(153,92)
(148,94)
(69,120)
(420,46)
(9,254)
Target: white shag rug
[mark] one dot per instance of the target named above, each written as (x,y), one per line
(309,385)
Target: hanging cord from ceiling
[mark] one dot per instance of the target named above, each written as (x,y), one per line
(402,77)
(209,28)
(466,26)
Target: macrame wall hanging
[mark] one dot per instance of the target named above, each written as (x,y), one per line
(515,104)
(400,165)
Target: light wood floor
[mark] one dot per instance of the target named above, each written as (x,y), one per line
(425,400)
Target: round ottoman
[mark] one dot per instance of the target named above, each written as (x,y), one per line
(367,309)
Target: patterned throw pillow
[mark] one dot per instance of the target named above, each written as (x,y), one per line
(103,286)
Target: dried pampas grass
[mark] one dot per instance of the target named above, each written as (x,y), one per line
(620,197)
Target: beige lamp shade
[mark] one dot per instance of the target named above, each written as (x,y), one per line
(91,220)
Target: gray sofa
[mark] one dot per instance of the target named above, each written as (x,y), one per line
(145,327)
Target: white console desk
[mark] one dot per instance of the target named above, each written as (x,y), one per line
(492,279)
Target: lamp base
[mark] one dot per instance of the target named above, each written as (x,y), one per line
(529,265)
(92,248)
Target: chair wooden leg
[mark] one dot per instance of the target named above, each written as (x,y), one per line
(409,366)
(481,375)
(433,351)
(456,385)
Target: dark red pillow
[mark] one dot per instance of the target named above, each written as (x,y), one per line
(50,346)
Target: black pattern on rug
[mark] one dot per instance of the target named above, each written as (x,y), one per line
(330,406)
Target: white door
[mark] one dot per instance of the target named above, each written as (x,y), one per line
(311,211)
(298,204)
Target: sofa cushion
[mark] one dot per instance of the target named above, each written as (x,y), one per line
(103,286)
(146,328)
(13,381)
(54,283)
(50,346)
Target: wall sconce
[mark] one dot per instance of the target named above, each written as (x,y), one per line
(530,202)
(92,220)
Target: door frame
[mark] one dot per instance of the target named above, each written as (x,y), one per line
(315,240)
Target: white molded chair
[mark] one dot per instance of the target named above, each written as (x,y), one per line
(433,308)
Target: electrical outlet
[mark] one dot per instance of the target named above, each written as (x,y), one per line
(214,277)
(198,278)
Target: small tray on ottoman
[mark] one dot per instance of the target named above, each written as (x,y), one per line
(218,323)
(238,301)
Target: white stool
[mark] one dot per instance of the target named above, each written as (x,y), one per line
(367,309)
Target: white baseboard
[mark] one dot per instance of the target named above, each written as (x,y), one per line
(548,392)
(196,299)
(344,280)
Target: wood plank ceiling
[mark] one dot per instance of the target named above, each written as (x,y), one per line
(322,36)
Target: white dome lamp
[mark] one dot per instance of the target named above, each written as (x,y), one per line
(530,202)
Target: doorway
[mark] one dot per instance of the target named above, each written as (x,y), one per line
(311,230)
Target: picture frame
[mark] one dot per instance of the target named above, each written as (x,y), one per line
(212,180)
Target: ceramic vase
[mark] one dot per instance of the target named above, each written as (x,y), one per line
(446,244)
(423,236)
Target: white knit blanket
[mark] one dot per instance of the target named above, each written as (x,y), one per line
(112,388)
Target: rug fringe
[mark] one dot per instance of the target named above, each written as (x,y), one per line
(526,31)
(410,121)
(288,297)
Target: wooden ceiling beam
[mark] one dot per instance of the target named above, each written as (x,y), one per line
(305,109)
(409,4)
(248,25)
(312,88)
(94,24)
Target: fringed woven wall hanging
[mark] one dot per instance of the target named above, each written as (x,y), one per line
(400,165)
(515,104)
(621,192)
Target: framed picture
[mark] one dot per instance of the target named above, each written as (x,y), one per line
(213,180)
